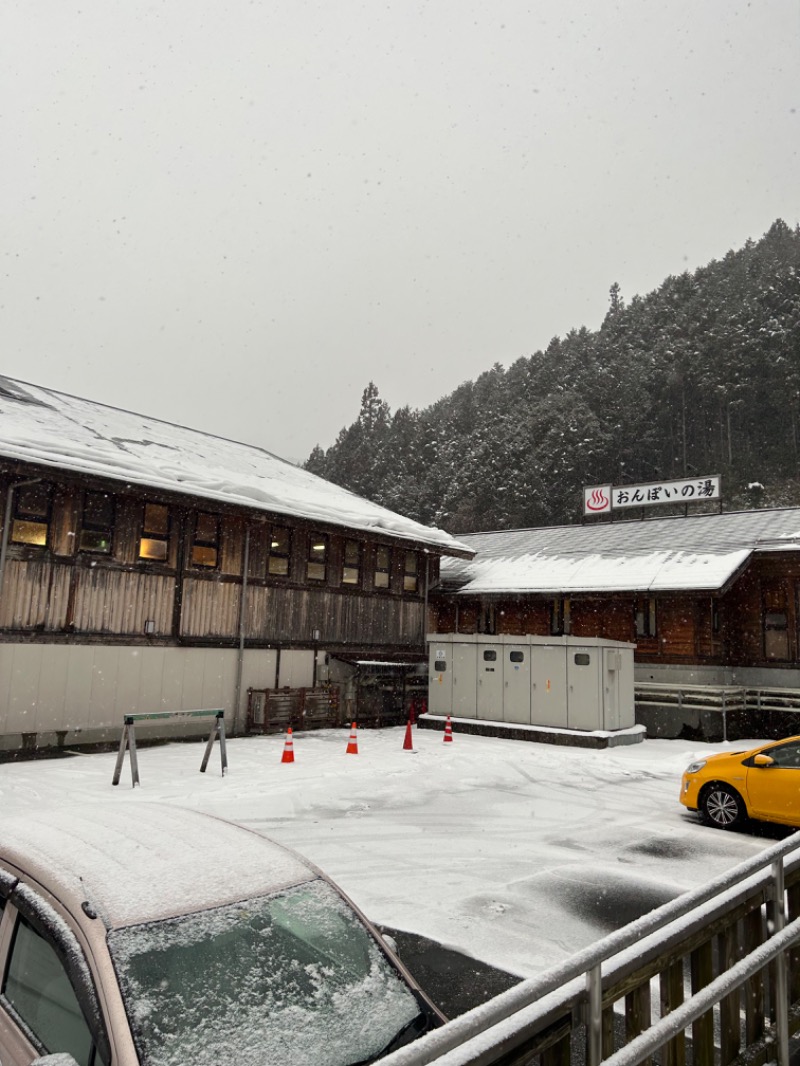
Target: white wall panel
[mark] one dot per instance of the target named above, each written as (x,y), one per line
(85,690)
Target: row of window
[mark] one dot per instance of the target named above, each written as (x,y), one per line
(644,617)
(32,515)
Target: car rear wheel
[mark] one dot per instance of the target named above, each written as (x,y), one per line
(722,807)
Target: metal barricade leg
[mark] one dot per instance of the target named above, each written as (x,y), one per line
(209,746)
(217,730)
(123,744)
(223,753)
(134,758)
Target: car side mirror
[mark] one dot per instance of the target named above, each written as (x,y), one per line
(60,1058)
(763,761)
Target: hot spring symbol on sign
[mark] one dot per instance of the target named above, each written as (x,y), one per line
(597,500)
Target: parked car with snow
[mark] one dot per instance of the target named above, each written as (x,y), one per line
(142,935)
(762,783)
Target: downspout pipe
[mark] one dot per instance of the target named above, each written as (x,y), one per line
(425,608)
(12,488)
(242,620)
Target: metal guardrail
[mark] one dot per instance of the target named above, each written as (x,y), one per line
(722,698)
(719,698)
(745,1011)
(773,699)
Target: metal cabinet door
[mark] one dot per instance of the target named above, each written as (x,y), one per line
(548,685)
(517,684)
(465,662)
(490,682)
(584,696)
(440,679)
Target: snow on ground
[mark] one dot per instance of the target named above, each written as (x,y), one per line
(516,853)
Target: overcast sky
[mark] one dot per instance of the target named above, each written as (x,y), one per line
(233,215)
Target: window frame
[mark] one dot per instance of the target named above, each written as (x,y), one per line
(383,571)
(776,638)
(317,542)
(204,543)
(154,535)
(31,518)
(411,575)
(557,628)
(645,617)
(350,565)
(61,939)
(279,555)
(89,526)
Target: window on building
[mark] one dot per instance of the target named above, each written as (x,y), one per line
(411,572)
(317,562)
(559,616)
(154,542)
(97,523)
(383,563)
(645,617)
(351,570)
(32,514)
(775,617)
(490,656)
(516,657)
(205,544)
(776,635)
(280,550)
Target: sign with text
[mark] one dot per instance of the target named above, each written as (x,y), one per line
(602,499)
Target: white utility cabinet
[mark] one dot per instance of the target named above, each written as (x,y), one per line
(582,683)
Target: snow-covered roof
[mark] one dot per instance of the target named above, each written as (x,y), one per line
(658,555)
(65,432)
(136,865)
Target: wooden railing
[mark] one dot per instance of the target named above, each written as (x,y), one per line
(713,976)
(275,710)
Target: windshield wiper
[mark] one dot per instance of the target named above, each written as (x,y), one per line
(398,1039)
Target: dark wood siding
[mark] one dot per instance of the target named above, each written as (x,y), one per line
(62,591)
(691,627)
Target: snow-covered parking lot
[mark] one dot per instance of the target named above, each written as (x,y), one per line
(515,853)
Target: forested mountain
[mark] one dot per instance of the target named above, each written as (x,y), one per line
(701,376)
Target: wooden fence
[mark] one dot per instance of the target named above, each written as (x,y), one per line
(275,710)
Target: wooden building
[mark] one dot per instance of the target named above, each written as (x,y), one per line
(148,567)
(710,600)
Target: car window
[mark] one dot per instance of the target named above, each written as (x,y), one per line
(37,987)
(785,755)
(290,979)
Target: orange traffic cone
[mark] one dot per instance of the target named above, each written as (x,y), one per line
(352,744)
(448,731)
(288,747)
(408,744)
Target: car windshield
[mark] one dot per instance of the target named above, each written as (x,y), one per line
(288,979)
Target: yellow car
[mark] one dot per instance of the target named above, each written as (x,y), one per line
(762,783)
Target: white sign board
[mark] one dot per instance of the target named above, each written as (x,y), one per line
(602,499)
